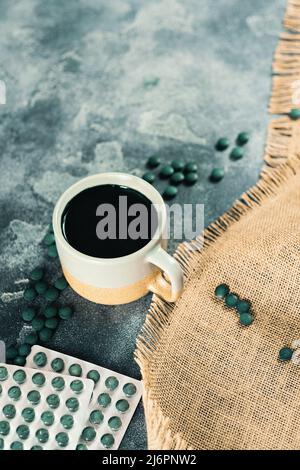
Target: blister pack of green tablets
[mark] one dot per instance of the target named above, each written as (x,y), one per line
(115,397)
(41,410)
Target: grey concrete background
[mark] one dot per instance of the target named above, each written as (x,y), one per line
(95,86)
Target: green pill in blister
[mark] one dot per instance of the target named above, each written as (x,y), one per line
(58,365)
(19,376)
(40,359)
(67,421)
(107,440)
(53,401)
(93,375)
(16,445)
(28,415)
(62,439)
(4,428)
(1,443)
(111,383)
(38,379)
(23,431)
(14,393)
(75,370)
(48,418)
(104,400)
(9,411)
(76,386)
(42,435)
(36,448)
(3,373)
(72,404)
(34,397)
(122,405)
(81,447)
(96,417)
(114,423)
(58,383)
(129,389)
(88,434)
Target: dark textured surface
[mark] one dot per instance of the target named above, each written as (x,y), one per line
(95,86)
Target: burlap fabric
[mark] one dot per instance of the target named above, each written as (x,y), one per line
(210,383)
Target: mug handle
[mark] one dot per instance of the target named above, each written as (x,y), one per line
(169,291)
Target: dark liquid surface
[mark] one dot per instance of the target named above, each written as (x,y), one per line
(81,225)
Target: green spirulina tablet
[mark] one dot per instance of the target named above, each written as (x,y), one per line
(153,161)
(11,353)
(52,251)
(42,435)
(16,445)
(75,370)
(38,379)
(1,443)
(178,165)
(107,440)
(57,364)
(114,423)
(222,144)
(45,335)
(295,113)
(24,349)
(170,192)
(221,291)
(104,400)
(9,411)
(40,359)
(93,375)
(62,439)
(285,354)
(14,393)
(23,431)
(149,177)
(177,178)
(217,175)
(53,401)
(236,153)
(31,338)
(19,376)
(36,448)
(231,300)
(38,324)
(81,447)
(28,313)
(129,389)
(88,434)
(191,178)
(50,311)
(34,397)
(190,167)
(51,294)
(20,361)
(61,283)
(242,138)
(51,323)
(36,274)
(122,405)
(111,383)
(76,386)
(72,404)
(166,171)
(28,415)
(29,294)
(65,313)
(96,417)
(58,383)
(41,287)
(246,319)
(3,373)
(4,428)
(49,239)
(243,306)
(67,421)
(48,418)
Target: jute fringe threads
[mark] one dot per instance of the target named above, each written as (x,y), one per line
(208,383)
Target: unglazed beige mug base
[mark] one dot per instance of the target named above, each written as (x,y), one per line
(113,281)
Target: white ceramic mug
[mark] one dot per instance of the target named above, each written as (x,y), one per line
(120,280)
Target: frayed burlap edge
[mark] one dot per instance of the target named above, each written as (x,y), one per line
(282,161)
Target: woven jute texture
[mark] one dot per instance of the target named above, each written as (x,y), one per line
(210,383)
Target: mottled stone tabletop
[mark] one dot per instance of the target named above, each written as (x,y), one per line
(95,86)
